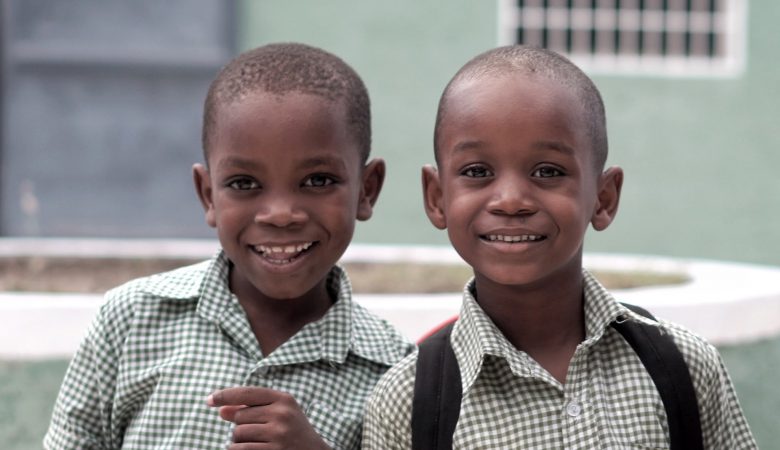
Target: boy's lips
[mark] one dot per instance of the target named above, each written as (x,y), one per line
(280,254)
(512,238)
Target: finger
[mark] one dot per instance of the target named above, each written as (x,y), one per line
(245,395)
(229,412)
(256,433)
(253,446)
(256,414)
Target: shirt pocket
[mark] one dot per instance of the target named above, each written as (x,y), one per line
(339,431)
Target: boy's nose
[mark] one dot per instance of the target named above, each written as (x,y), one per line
(279,212)
(512,198)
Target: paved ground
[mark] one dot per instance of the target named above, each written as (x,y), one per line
(28,389)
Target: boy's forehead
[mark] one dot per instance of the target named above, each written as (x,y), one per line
(471,99)
(477,108)
(305,102)
(517,86)
(296,110)
(298,121)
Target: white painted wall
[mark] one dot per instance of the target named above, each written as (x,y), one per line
(726,303)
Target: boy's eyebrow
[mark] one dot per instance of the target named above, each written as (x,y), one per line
(540,145)
(554,145)
(309,163)
(468,145)
(317,161)
(236,162)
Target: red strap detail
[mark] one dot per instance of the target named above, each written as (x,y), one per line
(438,327)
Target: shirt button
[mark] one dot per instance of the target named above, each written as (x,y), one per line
(573,409)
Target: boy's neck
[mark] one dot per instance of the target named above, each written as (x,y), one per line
(545,320)
(274,321)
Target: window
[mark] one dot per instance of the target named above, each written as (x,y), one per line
(661,37)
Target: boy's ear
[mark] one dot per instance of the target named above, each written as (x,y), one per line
(373,179)
(610,183)
(432,196)
(200,176)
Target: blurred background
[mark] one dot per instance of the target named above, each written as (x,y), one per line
(101,104)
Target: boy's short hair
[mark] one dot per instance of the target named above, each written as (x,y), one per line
(519,59)
(291,67)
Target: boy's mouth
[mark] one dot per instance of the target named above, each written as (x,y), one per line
(283,254)
(514,238)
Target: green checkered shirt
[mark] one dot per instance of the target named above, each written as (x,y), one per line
(160,345)
(608,401)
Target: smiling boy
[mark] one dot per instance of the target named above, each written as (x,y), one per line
(520,145)
(261,346)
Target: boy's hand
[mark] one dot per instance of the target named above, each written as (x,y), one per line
(265,419)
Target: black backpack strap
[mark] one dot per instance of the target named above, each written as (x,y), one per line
(437,393)
(666,366)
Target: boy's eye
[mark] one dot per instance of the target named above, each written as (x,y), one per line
(476,172)
(243,184)
(319,180)
(547,172)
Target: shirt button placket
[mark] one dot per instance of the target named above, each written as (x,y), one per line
(259,376)
(573,409)
(262,371)
(578,429)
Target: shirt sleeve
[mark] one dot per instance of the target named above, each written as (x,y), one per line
(723,424)
(81,418)
(722,420)
(387,421)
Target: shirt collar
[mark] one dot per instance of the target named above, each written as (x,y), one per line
(349,328)
(475,336)
(328,338)
(601,308)
(346,327)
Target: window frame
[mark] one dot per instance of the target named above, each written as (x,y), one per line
(731,21)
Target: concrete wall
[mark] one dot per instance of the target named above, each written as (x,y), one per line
(701,157)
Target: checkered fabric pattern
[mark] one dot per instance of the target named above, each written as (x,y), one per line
(160,345)
(608,401)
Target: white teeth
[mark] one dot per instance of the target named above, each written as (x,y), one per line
(520,238)
(287,250)
(279,261)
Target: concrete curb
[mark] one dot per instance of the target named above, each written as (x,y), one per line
(727,303)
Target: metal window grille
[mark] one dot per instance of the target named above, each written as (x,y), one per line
(664,37)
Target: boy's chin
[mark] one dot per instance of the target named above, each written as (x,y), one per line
(520,277)
(286,290)
(258,284)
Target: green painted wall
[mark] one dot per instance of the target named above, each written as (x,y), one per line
(699,154)
(701,157)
